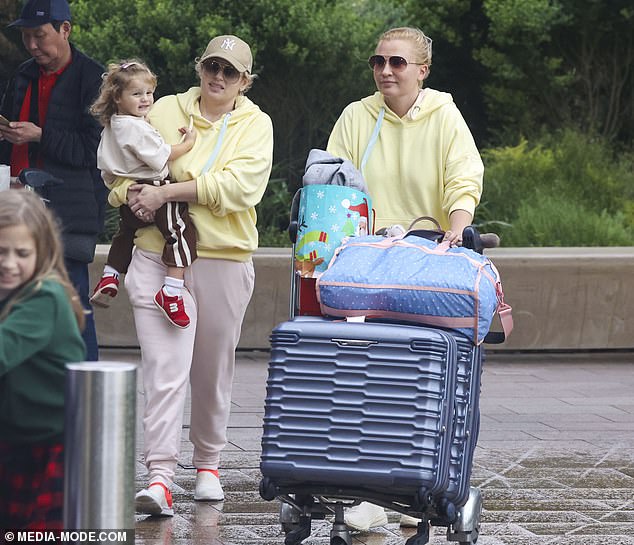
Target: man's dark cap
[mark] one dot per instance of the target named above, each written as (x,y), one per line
(39,12)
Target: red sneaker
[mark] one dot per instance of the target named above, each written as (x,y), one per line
(107,288)
(173,307)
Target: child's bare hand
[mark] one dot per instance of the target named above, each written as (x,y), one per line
(189,135)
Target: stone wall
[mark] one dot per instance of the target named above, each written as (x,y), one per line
(562,299)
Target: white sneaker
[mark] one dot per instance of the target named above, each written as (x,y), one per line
(208,486)
(365,516)
(409,522)
(154,500)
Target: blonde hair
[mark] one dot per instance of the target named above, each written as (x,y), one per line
(422,44)
(23,207)
(115,80)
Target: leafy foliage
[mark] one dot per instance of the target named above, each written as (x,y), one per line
(535,80)
(309,57)
(555,188)
(274,211)
(554,63)
(458,28)
(552,220)
(11,50)
(111,224)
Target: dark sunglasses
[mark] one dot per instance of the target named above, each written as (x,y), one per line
(396,62)
(229,73)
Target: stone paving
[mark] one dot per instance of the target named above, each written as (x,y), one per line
(554,462)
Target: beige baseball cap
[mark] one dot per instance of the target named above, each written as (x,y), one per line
(232,49)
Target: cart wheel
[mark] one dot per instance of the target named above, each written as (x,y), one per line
(418,540)
(474,534)
(300,532)
(289,518)
(267,489)
(448,510)
(466,529)
(474,539)
(422,499)
(288,527)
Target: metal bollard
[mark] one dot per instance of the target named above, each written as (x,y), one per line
(100,430)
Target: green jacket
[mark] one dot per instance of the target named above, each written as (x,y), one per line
(38,337)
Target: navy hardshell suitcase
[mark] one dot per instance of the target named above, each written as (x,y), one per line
(374,411)
(466,419)
(378,412)
(364,406)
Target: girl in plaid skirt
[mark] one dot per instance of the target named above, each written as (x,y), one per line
(40,321)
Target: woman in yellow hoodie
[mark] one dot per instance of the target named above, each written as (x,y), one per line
(411,143)
(418,158)
(222,178)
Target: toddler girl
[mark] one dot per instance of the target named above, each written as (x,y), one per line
(40,321)
(131,148)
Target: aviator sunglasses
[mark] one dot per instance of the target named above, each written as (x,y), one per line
(229,73)
(396,62)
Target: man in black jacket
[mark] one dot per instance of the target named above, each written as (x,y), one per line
(47,102)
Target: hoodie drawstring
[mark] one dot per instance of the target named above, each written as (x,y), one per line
(216,149)
(373,138)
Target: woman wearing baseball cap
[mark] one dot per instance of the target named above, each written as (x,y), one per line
(222,178)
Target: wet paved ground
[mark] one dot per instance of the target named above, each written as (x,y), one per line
(555,460)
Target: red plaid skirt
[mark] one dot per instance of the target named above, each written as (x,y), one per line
(31,486)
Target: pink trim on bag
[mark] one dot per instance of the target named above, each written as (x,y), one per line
(503,310)
(406,287)
(440,249)
(441,321)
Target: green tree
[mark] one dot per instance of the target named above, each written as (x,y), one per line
(11,49)
(167,34)
(310,58)
(518,66)
(560,62)
(558,189)
(458,28)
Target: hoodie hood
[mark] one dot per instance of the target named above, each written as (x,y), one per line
(429,100)
(189,103)
(230,164)
(423,164)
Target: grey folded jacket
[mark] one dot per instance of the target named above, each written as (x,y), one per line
(324,168)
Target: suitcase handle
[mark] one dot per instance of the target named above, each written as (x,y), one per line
(357,343)
(293,225)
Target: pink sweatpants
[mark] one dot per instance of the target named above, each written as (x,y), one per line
(218,292)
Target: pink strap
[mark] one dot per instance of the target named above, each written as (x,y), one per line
(506,318)
(504,311)
(443,246)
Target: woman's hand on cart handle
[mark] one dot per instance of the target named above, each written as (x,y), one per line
(473,240)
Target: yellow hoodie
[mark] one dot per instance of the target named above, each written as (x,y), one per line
(423,164)
(224,215)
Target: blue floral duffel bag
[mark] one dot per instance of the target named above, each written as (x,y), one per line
(413,279)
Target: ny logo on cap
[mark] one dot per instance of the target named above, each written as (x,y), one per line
(228,43)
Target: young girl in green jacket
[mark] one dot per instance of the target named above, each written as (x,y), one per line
(40,321)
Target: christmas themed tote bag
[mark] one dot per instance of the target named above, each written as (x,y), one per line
(327,214)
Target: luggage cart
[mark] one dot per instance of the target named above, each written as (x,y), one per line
(380,412)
